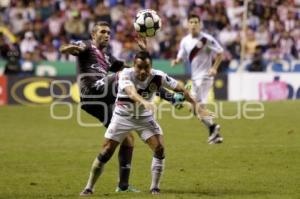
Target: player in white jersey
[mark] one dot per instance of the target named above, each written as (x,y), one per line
(134,111)
(199,49)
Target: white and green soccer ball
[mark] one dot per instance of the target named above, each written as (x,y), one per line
(147,23)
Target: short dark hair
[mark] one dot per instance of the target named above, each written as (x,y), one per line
(143,55)
(193,15)
(99,23)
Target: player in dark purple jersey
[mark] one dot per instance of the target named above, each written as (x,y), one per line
(98,91)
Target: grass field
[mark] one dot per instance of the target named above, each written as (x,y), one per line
(50,159)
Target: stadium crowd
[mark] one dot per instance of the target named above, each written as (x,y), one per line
(33,30)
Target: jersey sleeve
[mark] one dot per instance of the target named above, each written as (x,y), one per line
(116,65)
(168,81)
(214,45)
(124,80)
(83,44)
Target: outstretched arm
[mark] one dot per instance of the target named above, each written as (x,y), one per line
(132,93)
(73,49)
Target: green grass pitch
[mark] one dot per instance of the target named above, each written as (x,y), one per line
(45,158)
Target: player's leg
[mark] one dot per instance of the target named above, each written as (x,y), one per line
(150,132)
(113,136)
(125,157)
(108,149)
(203,87)
(155,142)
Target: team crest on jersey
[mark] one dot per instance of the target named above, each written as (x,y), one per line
(168,79)
(152,87)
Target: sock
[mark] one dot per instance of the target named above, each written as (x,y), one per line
(208,121)
(157,168)
(125,157)
(96,171)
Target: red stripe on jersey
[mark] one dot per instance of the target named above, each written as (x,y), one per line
(196,49)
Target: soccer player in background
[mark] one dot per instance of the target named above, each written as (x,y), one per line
(134,111)
(199,49)
(98,91)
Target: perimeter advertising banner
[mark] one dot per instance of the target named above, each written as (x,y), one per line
(263,86)
(3,90)
(34,90)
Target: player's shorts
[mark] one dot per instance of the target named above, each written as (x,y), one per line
(120,127)
(201,88)
(99,101)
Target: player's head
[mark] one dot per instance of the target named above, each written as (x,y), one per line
(194,24)
(142,65)
(101,34)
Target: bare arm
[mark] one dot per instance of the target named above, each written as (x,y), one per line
(142,42)
(132,93)
(198,110)
(176,61)
(213,70)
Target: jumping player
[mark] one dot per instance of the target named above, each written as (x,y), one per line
(199,49)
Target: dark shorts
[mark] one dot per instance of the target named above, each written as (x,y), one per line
(99,101)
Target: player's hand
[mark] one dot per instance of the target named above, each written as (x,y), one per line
(212,72)
(142,42)
(174,62)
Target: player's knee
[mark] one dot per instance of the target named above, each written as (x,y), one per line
(159,151)
(108,150)
(128,141)
(104,156)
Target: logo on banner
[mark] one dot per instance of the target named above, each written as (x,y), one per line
(35,90)
(276,90)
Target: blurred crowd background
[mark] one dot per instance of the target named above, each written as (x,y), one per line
(33,30)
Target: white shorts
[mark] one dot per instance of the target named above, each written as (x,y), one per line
(201,88)
(121,126)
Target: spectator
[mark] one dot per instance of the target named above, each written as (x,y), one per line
(250,44)
(257,65)
(287,46)
(273,53)
(28,43)
(75,27)
(10,53)
(262,37)
(27,64)
(55,24)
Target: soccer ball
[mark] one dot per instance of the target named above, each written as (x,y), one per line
(147,23)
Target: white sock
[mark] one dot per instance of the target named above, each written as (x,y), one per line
(207,121)
(96,171)
(157,168)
